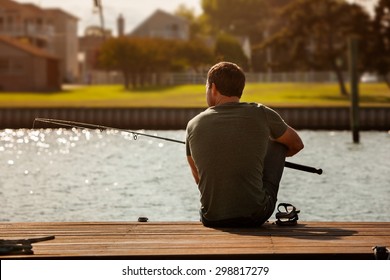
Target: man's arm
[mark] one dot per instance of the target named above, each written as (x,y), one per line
(291,140)
(193,169)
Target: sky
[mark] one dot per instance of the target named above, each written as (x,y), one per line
(134,11)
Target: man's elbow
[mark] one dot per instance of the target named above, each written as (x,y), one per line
(295,148)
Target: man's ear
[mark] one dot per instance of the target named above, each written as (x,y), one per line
(214,90)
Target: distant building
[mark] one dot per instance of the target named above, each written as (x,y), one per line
(51,30)
(24,67)
(163,25)
(89,48)
(65,41)
(90,44)
(120,25)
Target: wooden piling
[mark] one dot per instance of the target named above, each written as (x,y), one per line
(354,78)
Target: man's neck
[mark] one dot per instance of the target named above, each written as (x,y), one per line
(222,99)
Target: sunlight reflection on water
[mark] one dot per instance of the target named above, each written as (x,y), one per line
(90,175)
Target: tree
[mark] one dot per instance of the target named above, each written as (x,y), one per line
(138,58)
(196,54)
(379,58)
(238,17)
(315,35)
(119,54)
(228,48)
(241,18)
(245,18)
(194,21)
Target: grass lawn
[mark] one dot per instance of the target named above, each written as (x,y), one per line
(272,94)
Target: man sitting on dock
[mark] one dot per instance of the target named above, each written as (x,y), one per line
(237,152)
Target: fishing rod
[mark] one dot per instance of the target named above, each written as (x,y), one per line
(135,134)
(100,127)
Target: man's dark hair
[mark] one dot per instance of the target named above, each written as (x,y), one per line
(228,77)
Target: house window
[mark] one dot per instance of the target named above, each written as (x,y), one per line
(175,27)
(15,66)
(170,31)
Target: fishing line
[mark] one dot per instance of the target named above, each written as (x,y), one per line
(135,134)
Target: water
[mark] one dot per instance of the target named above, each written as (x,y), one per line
(81,175)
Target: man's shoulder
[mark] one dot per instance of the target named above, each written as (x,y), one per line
(266,109)
(255,105)
(199,117)
(254,108)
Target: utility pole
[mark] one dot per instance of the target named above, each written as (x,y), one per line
(99,6)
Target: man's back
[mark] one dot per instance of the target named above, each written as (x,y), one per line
(228,144)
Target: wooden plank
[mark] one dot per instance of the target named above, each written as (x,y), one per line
(193,240)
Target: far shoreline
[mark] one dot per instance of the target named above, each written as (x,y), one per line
(299,117)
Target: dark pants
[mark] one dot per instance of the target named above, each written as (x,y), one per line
(272,174)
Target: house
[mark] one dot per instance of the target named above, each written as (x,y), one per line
(24,67)
(163,25)
(52,30)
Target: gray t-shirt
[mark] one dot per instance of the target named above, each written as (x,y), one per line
(228,144)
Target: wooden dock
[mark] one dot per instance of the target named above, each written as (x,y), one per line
(191,240)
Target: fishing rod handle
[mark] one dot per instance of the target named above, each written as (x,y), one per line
(303,167)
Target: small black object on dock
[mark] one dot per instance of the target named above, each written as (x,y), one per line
(143,219)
